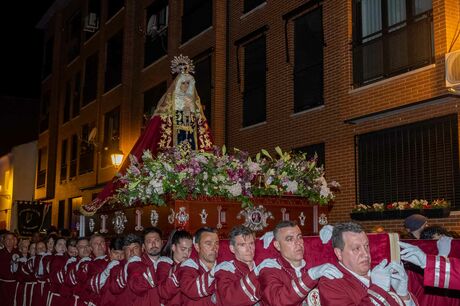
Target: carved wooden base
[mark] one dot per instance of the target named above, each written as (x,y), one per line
(214,212)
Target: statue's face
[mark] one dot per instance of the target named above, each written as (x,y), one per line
(184,85)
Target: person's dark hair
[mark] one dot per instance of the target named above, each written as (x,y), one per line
(71,242)
(60,238)
(237,231)
(51,236)
(150,230)
(339,229)
(82,238)
(96,235)
(117,243)
(174,239)
(132,238)
(200,231)
(64,232)
(283,224)
(430,231)
(52,230)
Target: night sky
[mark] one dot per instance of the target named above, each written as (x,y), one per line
(21,47)
(20,66)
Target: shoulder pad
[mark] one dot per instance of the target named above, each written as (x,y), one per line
(190,263)
(165,259)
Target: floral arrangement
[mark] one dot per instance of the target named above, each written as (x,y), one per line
(403,205)
(182,173)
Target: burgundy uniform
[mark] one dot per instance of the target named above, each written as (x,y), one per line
(285,286)
(7,281)
(442,272)
(56,277)
(195,285)
(170,292)
(145,277)
(118,292)
(349,290)
(94,268)
(237,288)
(41,288)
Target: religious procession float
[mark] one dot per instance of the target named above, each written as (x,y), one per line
(176,178)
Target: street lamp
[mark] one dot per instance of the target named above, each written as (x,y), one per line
(117,157)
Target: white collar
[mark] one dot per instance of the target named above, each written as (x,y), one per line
(204,266)
(298,270)
(362,279)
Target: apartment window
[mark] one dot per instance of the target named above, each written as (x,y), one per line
(92,18)
(64,145)
(255,70)
(48,57)
(41,169)
(90,82)
(312,150)
(156,40)
(251,4)
(203,77)
(415,161)
(44,112)
(111,135)
(86,157)
(73,36)
(113,7)
(67,102)
(390,37)
(151,98)
(308,56)
(71,107)
(196,17)
(76,95)
(114,63)
(73,156)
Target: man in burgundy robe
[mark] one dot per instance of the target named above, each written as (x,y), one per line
(196,275)
(153,271)
(236,280)
(384,285)
(179,247)
(285,280)
(439,271)
(7,280)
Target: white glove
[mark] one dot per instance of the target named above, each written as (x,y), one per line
(69,261)
(413,254)
(381,275)
(267,238)
(130,260)
(15,257)
(327,270)
(84,259)
(267,263)
(105,274)
(225,266)
(134,259)
(325,234)
(399,280)
(444,244)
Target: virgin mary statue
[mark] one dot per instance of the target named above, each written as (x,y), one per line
(181,113)
(178,118)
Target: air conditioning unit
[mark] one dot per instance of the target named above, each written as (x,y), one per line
(453,69)
(91,23)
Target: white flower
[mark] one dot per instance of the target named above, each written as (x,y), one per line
(253,167)
(325,191)
(235,189)
(291,186)
(157,186)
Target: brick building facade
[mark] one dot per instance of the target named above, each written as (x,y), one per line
(306,75)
